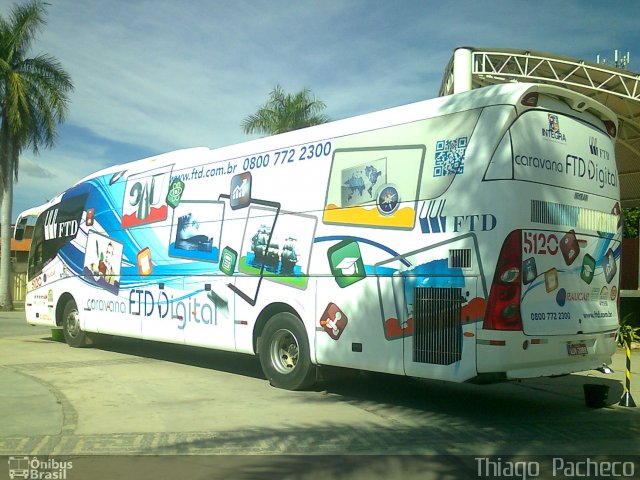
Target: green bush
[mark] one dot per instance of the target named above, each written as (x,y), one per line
(630,223)
(628,331)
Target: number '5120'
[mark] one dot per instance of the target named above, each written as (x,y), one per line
(539,243)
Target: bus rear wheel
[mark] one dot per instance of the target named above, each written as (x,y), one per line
(284,353)
(73,333)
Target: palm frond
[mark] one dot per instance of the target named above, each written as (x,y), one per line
(24,22)
(33,91)
(284,112)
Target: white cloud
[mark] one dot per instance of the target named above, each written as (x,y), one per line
(42,178)
(169,75)
(33,169)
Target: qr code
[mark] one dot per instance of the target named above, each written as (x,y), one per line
(449,157)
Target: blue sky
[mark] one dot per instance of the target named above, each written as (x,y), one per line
(153,76)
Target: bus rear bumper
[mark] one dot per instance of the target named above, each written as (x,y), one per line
(514,355)
(42,320)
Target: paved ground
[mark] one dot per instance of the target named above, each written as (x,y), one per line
(134,397)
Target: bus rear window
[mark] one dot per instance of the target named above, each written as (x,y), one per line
(556,149)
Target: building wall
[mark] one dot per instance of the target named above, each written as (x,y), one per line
(629,264)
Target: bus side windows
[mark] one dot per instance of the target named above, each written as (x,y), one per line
(55,227)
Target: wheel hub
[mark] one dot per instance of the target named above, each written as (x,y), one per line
(284,351)
(73,323)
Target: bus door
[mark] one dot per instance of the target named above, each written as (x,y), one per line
(113,310)
(199,304)
(161,311)
(432,301)
(209,313)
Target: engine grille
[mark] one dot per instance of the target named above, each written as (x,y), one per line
(437,337)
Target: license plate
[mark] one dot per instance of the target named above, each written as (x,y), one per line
(577,349)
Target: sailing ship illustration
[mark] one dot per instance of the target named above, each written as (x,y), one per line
(259,245)
(289,255)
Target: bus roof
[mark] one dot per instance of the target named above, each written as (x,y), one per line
(506,93)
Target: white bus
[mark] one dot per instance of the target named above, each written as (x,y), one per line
(473,237)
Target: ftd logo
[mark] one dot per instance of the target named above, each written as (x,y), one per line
(53,229)
(483,222)
(432,220)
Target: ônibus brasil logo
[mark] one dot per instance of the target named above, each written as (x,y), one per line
(37,469)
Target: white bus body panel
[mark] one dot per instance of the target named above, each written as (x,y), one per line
(381,232)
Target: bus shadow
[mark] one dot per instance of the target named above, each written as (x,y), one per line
(284,466)
(229,362)
(528,400)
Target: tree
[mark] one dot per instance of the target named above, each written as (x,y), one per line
(285,112)
(33,101)
(631,217)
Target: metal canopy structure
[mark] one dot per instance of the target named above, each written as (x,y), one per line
(616,88)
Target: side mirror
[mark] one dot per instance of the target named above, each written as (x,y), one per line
(21,225)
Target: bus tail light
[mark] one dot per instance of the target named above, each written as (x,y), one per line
(530,99)
(503,306)
(611,128)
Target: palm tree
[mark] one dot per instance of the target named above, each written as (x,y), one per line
(33,100)
(285,112)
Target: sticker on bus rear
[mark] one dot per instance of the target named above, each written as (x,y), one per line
(609,266)
(569,247)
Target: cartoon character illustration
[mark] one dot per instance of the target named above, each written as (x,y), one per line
(102,262)
(104,268)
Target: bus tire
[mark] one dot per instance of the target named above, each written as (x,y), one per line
(73,334)
(284,353)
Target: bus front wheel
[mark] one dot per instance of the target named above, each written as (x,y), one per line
(73,333)
(284,353)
